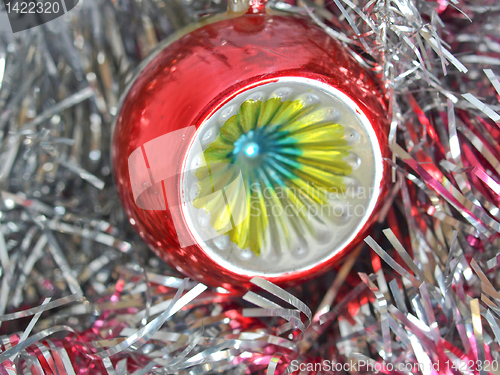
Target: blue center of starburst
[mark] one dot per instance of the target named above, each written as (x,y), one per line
(250,145)
(252,150)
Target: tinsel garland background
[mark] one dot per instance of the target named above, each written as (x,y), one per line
(422,290)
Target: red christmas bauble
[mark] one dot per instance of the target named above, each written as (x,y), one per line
(252,145)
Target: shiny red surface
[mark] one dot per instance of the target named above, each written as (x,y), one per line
(195,75)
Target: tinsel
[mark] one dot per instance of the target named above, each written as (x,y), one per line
(81,294)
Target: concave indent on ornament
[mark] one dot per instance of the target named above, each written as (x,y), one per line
(288,175)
